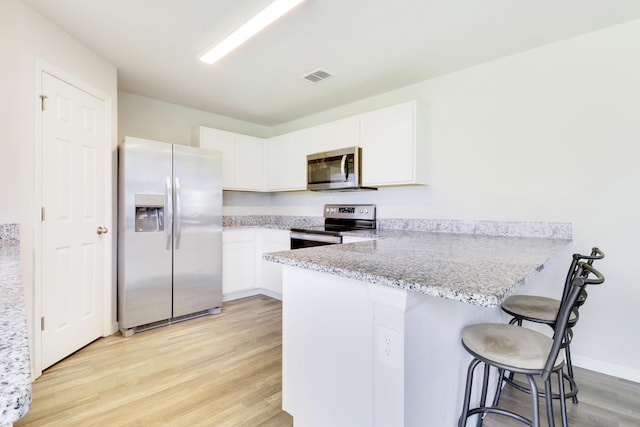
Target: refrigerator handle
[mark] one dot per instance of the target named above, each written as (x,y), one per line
(178,214)
(168,226)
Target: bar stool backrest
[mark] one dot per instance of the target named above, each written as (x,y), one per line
(596,254)
(582,279)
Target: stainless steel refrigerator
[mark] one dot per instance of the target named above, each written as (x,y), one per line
(169,233)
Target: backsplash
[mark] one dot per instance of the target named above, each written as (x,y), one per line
(282,221)
(555,230)
(9,232)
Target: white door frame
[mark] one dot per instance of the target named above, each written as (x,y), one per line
(108,239)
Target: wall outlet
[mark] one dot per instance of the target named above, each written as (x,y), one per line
(388,346)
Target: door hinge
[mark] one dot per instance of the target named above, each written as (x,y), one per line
(42,214)
(42,101)
(42,323)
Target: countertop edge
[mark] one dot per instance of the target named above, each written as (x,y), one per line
(469,297)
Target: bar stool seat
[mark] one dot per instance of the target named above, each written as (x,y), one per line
(541,309)
(510,345)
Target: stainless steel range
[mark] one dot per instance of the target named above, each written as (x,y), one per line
(337,219)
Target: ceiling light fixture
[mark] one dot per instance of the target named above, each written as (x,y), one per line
(256,24)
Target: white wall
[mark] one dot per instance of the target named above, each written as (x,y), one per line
(552,134)
(9,147)
(148,118)
(29,38)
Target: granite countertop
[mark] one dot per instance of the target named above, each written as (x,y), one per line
(472,268)
(15,374)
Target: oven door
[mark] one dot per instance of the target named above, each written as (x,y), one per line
(334,170)
(301,239)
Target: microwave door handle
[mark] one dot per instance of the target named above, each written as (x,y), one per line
(343,167)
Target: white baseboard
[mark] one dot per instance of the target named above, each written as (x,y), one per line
(607,368)
(240,294)
(271,294)
(249,293)
(114,328)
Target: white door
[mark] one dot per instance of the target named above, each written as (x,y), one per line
(73,201)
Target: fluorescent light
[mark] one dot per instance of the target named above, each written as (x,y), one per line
(256,24)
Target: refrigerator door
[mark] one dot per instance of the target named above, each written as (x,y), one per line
(197,238)
(144,232)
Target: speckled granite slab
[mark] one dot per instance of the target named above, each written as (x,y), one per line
(475,269)
(15,375)
(9,232)
(282,222)
(554,230)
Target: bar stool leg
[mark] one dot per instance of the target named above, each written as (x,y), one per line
(467,393)
(567,352)
(535,407)
(549,402)
(563,403)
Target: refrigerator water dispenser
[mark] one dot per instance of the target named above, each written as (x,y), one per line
(149,212)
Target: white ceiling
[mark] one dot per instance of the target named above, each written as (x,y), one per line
(372,46)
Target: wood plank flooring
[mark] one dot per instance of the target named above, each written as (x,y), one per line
(222,370)
(605,401)
(225,370)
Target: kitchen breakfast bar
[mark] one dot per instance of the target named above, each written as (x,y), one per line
(371,330)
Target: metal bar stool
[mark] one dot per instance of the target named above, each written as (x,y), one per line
(511,348)
(543,310)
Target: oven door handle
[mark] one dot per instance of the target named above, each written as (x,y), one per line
(315,237)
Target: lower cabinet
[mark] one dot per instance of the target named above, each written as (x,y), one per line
(244,272)
(238,262)
(270,273)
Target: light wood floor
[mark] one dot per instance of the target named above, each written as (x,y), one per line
(222,370)
(225,370)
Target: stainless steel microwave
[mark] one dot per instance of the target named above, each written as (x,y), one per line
(337,170)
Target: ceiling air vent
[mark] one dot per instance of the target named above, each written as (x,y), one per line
(317,76)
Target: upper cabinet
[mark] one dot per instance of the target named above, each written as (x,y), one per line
(394,141)
(395,145)
(333,135)
(249,163)
(242,157)
(286,162)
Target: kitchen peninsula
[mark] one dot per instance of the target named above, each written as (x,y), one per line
(371,329)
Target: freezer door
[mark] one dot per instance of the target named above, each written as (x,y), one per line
(197,237)
(144,232)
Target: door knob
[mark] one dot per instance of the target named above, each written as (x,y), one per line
(102,230)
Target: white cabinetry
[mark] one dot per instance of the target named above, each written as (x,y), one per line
(333,135)
(270,273)
(249,163)
(394,140)
(286,161)
(242,157)
(238,262)
(395,145)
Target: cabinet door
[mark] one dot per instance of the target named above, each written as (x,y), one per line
(339,134)
(238,261)
(394,145)
(224,141)
(286,162)
(248,163)
(270,273)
